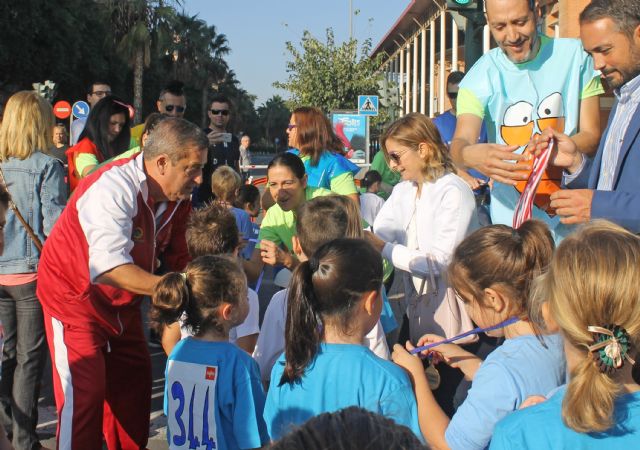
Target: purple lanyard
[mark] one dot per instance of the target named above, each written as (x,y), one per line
(259,282)
(468,333)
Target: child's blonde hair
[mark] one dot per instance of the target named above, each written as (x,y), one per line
(225,182)
(594,280)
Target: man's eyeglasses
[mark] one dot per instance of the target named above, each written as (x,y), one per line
(224,112)
(291,126)
(395,156)
(169,108)
(452,95)
(101,93)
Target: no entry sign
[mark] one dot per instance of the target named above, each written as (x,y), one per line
(62,109)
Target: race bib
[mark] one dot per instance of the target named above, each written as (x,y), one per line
(191,397)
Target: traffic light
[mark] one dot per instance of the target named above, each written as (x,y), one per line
(46,89)
(464,5)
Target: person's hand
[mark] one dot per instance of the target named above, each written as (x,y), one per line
(572,205)
(532,400)
(441,353)
(215,137)
(374,240)
(498,162)
(564,152)
(402,357)
(450,354)
(473,182)
(272,254)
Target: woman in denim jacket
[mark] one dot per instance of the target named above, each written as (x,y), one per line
(36,183)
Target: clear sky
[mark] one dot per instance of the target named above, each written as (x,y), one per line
(258,29)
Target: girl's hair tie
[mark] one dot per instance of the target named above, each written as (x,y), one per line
(611,348)
(314,263)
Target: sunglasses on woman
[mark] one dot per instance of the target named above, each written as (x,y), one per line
(395,156)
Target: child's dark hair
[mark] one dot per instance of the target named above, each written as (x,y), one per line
(326,286)
(370,178)
(504,257)
(324,219)
(206,282)
(349,429)
(248,193)
(212,230)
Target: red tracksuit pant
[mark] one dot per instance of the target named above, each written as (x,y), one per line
(102,384)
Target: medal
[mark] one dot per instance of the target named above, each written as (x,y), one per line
(433,377)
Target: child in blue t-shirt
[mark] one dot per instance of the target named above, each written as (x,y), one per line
(325,367)
(213,395)
(491,272)
(592,291)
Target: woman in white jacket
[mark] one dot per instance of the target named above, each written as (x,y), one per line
(428,214)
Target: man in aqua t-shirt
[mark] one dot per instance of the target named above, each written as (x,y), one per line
(529,83)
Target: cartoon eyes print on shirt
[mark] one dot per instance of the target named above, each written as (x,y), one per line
(551,113)
(519,127)
(518,124)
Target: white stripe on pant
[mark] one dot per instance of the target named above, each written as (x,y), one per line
(62,368)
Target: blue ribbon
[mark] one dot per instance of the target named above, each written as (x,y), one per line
(259,282)
(468,333)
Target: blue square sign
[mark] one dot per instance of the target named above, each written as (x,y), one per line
(368,105)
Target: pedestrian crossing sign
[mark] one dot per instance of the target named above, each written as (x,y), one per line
(368,105)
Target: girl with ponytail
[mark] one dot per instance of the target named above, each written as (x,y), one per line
(592,293)
(213,393)
(331,306)
(491,273)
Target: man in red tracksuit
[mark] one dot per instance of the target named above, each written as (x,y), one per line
(95,267)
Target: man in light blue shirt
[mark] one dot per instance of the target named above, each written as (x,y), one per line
(529,83)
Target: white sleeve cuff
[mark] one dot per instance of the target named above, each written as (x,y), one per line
(569,177)
(101,262)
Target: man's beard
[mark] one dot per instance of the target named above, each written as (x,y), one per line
(627,73)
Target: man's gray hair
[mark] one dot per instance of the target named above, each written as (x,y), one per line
(625,14)
(174,137)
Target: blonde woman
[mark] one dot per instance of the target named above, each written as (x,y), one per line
(35,181)
(592,290)
(427,215)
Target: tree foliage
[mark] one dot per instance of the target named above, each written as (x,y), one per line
(60,40)
(274,117)
(141,29)
(135,45)
(327,75)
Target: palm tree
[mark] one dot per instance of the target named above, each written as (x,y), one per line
(198,56)
(138,27)
(274,117)
(215,69)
